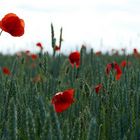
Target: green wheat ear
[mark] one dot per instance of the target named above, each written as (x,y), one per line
(52,36)
(60,38)
(54,39)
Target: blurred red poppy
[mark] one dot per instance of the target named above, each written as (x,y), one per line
(6,71)
(135,51)
(98,53)
(117,68)
(12,24)
(123,49)
(63,100)
(34,56)
(27,52)
(39,45)
(116,53)
(118,71)
(108,68)
(57,48)
(98,87)
(123,63)
(112,50)
(74,58)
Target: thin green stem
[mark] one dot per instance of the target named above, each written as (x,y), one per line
(1,32)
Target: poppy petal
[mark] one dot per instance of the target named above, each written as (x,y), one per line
(123,63)
(108,68)
(74,58)
(12,24)
(63,100)
(6,71)
(98,87)
(118,71)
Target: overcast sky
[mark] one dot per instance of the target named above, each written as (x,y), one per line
(115,22)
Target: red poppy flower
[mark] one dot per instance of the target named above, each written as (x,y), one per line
(63,100)
(108,68)
(98,53)
(112,50)
(135,51)
(118,71)
(39,45)
(12,24)
(74,58)
(57,48)
(6,71)
(27,52)
(98,87)
(116,53)
(116,67)
(123,49)
(123,63)
(34,56)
